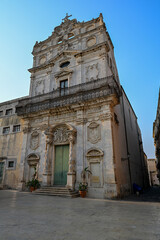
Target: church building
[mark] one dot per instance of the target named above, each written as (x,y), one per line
(76,115)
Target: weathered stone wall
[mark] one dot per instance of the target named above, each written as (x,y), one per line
(10,145)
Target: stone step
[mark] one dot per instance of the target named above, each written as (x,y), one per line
(57,191)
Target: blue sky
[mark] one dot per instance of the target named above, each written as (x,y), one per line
(134,27)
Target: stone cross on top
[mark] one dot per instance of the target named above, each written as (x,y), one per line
(66,17)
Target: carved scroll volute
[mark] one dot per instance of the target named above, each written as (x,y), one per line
(49,136)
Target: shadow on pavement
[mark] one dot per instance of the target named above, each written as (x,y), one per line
(151,194)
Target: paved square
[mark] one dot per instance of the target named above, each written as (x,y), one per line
(24,216)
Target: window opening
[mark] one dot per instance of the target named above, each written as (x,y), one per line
(63,87)
(1,113)
(10,164)
(16,128)
(6,130)
(9,111)
(65,64)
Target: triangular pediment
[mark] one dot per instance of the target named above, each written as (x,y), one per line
(63,73)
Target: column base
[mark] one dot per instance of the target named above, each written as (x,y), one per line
(71,178)
(46,178)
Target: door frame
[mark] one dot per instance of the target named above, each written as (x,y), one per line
(54,157)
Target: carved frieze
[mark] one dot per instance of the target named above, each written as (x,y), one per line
(80,121)
(34,141)
(106,116)
(92,72)
(94,132)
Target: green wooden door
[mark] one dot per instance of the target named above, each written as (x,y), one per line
(1,171)
(61,164)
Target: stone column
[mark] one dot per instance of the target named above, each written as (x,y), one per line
(21,184)
(47,169)
(71,175)
(109,161)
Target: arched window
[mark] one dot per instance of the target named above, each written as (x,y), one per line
(70,35)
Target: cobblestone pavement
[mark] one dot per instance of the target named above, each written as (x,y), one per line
(24,216)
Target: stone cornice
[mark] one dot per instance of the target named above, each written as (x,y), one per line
(91,49)
(41,67)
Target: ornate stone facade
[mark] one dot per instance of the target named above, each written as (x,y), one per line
(76,116)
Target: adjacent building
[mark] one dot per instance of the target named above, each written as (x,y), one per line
(156,136)
(77,115)
(152,172)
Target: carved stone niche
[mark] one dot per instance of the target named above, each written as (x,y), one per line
(93,132)
(95,157)
(33,159)
(34,141)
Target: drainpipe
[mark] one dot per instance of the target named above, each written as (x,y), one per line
(126,138)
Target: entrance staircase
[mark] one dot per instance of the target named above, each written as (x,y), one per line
(59,191)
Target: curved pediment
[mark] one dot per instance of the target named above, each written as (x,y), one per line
(94,152)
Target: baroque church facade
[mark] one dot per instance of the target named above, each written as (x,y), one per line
(77,115)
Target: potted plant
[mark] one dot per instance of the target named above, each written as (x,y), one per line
(34,183)
(84,185)
(83,189)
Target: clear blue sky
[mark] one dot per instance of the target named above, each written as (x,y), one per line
(134,27)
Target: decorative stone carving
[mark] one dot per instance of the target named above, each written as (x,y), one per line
(43,47)
(92,72)
(80,121)
(27,129)
(90,28)
(61,135)
(33,159)
(94,152)
(91,41)
(106,116)
(49,136)
(94,132)
(34,141)
(42,60)
(39,87)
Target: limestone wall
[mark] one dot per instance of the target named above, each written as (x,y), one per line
(10,144)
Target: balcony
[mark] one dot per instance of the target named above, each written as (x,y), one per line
(99,88)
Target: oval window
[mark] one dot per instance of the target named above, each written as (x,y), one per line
(65,64)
